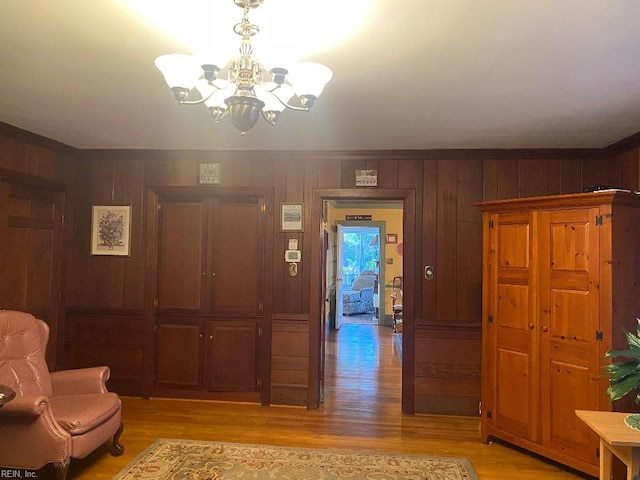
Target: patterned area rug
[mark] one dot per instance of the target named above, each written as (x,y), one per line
(198,460)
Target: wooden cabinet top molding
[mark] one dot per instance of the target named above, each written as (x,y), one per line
(563,201)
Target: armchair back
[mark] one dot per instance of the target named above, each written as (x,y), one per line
(23,341)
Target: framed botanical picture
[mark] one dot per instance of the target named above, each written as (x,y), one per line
(110,230)
(291,217)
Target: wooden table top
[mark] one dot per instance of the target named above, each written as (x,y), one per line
(610,427)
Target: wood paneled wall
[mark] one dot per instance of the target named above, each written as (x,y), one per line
(107,294)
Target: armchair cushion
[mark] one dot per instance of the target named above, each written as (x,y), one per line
(78,414)
(350,296)
(359,297)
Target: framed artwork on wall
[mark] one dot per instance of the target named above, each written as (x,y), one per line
(110,230)
(291,217)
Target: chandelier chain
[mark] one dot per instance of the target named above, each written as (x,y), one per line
(245,28)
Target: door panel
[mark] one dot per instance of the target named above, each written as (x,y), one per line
(179,355)
(31,238)
(233,355)
(339,279)
(238,256)
(515,384)
(181,267)
(569,319)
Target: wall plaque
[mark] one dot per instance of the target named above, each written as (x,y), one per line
(366,178)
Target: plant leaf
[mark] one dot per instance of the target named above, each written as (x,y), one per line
(633,352)
(632,340)
(618,389)
(620,370)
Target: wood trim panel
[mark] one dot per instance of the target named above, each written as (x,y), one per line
(107,337)
(448,369)
(289,359)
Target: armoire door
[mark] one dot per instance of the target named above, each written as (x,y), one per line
(569,309)
(510,327)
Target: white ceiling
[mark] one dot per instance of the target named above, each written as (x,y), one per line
(416,74)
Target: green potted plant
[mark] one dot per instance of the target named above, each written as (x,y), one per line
(624,376)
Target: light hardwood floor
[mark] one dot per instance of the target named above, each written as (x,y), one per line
(361,411)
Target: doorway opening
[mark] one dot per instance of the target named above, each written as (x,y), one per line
(358,271)
(361,353)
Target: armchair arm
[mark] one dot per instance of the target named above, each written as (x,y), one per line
(29,405)
(80,380)
(30,437)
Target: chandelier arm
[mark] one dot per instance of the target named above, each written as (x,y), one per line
(285,104)
(202,100)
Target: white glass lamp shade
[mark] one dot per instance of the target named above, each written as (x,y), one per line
(309,78)
(181,71)
(218,97)
(271,103)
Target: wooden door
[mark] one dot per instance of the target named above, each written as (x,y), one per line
(237,256)
(568,328)
(339,277)
(232,356)
(179,362)
(510,327)
(31,231)
(181,270)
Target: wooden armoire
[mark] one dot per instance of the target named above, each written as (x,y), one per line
(561,281)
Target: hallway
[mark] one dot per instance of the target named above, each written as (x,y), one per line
(363,371)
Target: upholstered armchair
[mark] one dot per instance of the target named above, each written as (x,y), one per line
(56,416)
(359,297)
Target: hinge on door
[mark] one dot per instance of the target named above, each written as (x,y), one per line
(490,223)
(598,220)
(155,303)
(259,332)
(263,206)
(489,414)
(260,306)
(599,336)
(490,318)
(159,207)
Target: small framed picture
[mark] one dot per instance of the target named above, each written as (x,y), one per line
(110,230)
(291,217)
(392,238)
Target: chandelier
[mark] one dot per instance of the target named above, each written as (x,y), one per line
(246,92)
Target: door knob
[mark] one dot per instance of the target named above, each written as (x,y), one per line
(428,272)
